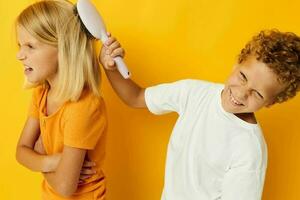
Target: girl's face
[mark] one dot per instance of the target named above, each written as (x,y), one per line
(40,60)
(251,86)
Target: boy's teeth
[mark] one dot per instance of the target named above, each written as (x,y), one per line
(234,101)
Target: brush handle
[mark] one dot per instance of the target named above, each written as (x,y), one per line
(121,66)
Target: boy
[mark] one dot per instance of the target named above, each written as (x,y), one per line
(217,149)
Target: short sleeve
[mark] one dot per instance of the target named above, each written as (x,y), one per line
(174,97)
(85,122)
(34,105)
(245,178)
(171,97)
(243,184)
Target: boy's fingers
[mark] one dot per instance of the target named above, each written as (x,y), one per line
(111,63)
(107,51)
(118,52)
(112,68)
(114,45)
(109,41)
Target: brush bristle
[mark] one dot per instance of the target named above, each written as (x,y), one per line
(83,28)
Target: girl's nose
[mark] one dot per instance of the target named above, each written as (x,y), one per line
(20,55)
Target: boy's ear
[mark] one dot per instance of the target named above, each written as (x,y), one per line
(270,104)
(235,66)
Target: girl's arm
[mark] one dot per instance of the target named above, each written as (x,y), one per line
(130,93)
(62,171)
(64,180)
(25,153)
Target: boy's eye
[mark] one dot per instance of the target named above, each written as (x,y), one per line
(259,95)
(243,77)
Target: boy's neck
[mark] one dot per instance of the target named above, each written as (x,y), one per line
(248,117)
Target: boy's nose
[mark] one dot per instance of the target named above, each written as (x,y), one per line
(242,94)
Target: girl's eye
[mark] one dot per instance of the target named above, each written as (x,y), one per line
(30,46)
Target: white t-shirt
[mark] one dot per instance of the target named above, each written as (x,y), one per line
(212,154)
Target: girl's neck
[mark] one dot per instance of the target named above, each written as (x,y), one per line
(52,83)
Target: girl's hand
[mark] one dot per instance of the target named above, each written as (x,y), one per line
(87,170)
(110,50)
(39,146)
(53,161)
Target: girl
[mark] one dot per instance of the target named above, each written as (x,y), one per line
(67,122)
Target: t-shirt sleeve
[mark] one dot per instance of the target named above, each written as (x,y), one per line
(34,105)
(245,178)
(243,184)
(85,123)
(170,97)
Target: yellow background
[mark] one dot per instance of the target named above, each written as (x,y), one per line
(165,40)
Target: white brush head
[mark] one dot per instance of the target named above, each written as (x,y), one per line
(91,18)
(93,22)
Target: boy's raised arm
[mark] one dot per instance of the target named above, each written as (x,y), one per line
(130,93)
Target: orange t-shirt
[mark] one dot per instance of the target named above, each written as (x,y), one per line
(81,124)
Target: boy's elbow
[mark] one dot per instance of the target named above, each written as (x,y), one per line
(139,100)
(133,104)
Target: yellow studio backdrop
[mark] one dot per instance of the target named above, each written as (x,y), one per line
(165,40)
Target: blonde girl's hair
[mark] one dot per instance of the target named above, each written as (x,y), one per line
(55,22)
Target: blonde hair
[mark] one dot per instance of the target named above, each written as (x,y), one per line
(54,22)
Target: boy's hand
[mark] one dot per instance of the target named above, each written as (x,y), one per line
(110,50)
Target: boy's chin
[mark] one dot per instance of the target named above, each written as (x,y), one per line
(237,111)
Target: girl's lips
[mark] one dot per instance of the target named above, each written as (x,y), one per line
(27,70)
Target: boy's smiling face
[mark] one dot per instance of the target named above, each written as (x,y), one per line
(251,86)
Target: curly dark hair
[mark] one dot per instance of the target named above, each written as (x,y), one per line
(280,51)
